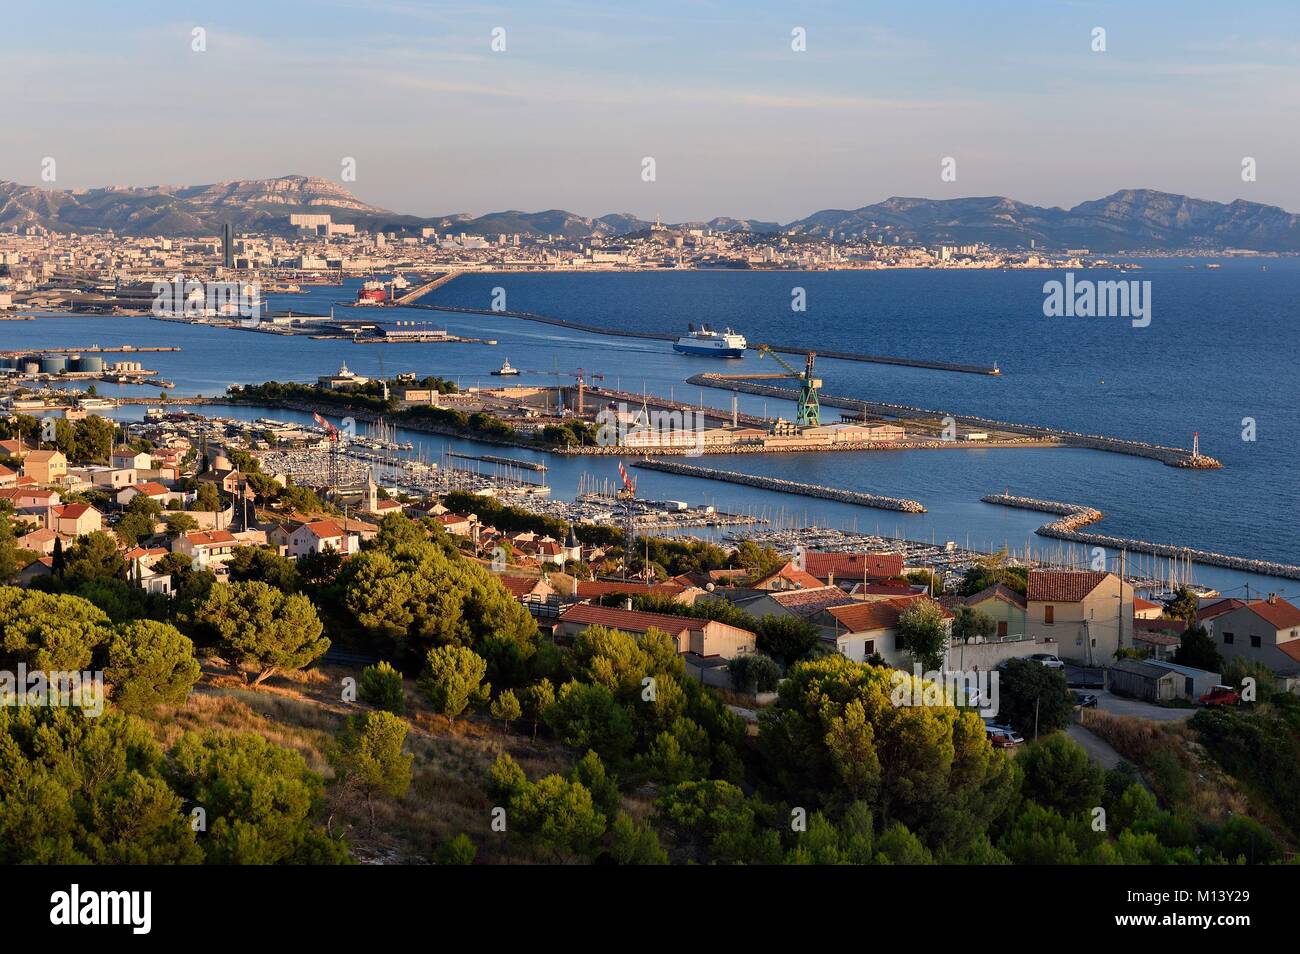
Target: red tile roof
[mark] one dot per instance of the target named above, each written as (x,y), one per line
(1062,586)
(882,589)
(1277,612)
(73,511)
(27,493)
(789,575)
(519,586)
(210,537)
(808,603)
(151,488)
(997,591)
(1155,639)
(324,529)
(878,614)
(1218,608)
(595,589)
(1159,625)
(853,566)
(1292,648)
(137,553)
(629,621)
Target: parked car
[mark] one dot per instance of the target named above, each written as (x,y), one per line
(1002,736)
(1221,696)
(1084,700)
(1047,659)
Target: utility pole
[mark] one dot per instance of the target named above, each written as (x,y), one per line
(1119,613)
(1036,700)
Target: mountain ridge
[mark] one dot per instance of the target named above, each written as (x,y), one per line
(1136,219)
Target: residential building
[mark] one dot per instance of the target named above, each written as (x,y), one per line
(30,500)
(317,536)
(124,458)
(73,520)
(206,547)
(39,541)
(698,637)
(45,466)
(808,605)
(1088,613)
(1265,631)
(1004,605)
(151,489)
(863,629)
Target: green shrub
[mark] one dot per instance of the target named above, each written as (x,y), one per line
(381,686)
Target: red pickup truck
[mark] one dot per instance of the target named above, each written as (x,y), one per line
(1221,696)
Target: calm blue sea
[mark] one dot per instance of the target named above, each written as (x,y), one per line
(1223,345)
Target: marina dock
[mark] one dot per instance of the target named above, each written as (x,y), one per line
(899,504)
(506,461)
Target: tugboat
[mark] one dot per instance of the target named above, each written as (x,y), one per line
(728,344)
(505,370)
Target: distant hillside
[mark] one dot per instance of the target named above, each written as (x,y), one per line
(259,204)
(1130,219)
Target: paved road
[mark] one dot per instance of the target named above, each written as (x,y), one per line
(1098,749)
(1122,706)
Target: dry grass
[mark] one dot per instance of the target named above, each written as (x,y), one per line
(305,711)
(1179,770)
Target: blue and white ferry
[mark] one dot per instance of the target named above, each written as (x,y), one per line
(725,344)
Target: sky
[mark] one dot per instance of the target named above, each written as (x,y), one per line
(738,123)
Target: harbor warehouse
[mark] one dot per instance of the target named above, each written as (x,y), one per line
(1142,680)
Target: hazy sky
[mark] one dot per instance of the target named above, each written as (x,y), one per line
(738,123)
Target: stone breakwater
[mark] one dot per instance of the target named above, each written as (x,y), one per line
(899,504)
(1072,517)
(1173,456)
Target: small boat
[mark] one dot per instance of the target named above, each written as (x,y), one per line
(505,370)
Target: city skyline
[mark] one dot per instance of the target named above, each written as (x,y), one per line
(438,123)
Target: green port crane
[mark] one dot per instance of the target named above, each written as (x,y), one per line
(809,407)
